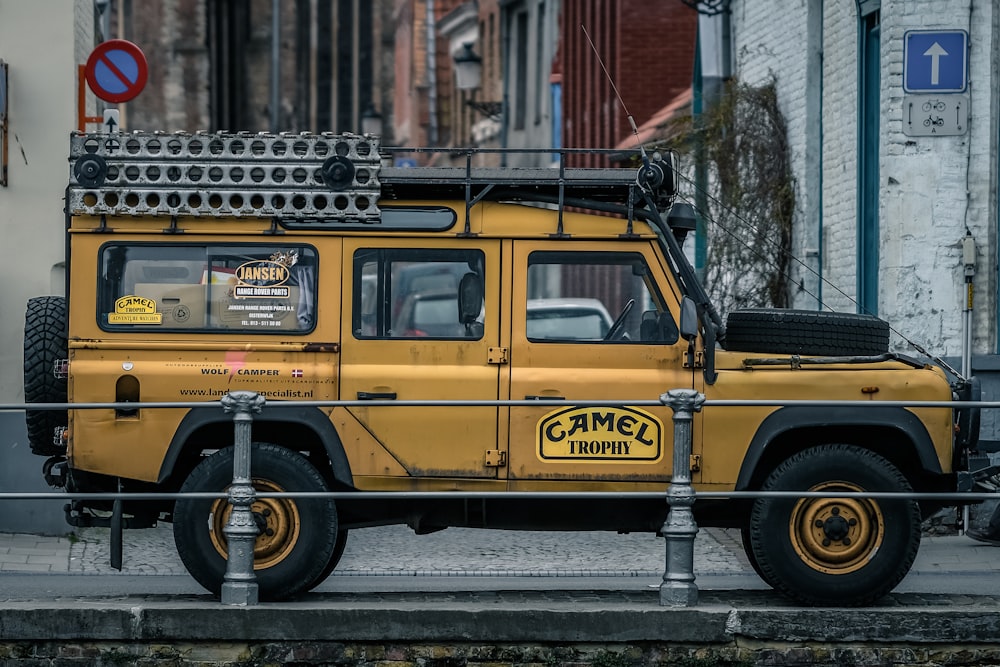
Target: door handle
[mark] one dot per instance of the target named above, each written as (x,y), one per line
(376,396)
(545,398)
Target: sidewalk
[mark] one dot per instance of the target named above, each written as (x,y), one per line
(396,550)
(567,621)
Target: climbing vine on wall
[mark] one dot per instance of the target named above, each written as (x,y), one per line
(749,195)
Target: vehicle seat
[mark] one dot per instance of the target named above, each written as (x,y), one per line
(649,329)
(470,304)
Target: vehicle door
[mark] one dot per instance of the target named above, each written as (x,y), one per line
(591,324)
(406,339)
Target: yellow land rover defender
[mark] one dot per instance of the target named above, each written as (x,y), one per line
(306,269)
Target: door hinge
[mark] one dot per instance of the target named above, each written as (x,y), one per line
(497,355)
(695,462)
(699,360)
(496,458)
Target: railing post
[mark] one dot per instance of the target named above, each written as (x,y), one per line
(239,585)
(678,588)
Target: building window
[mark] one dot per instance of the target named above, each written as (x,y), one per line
(540,69)
(521,77)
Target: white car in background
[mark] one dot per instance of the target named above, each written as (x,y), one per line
(568,319)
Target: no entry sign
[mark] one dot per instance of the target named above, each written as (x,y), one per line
(116,70)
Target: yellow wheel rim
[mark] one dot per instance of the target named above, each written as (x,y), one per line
(836,535)
(279,523)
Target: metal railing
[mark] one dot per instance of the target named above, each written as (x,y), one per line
(678,587)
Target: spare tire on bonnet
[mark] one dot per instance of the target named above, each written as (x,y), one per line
(45,335)
(809,332)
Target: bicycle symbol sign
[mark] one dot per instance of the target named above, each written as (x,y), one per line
(935,115)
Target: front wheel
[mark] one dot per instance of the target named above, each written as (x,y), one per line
(835,551)
(296,537)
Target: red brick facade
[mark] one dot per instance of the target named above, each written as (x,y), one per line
(648,49)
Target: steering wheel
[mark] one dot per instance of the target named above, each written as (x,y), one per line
(616,329)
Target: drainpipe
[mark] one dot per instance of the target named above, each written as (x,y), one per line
(700,168)
(969,260)
(104,9)
(713,67)
(505,81)
(813,187)
(275,61)
(432,127)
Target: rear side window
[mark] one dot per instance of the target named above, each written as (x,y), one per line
(418,293)
(250,288)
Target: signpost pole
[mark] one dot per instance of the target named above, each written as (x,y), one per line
(81,101)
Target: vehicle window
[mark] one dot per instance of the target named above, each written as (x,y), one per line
(252,288)
(415,293)
(595,296)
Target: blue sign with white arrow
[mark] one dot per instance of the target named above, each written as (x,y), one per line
(935,61)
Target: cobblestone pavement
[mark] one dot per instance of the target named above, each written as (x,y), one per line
(396,550)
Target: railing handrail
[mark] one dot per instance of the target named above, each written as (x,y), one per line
(678,588)
(526,403)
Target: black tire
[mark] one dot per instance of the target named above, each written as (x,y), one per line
(836,551)
(338,552)
(45,334)
(748,550)
(809,332)
(287,562)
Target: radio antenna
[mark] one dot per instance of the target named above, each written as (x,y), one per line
(631,120)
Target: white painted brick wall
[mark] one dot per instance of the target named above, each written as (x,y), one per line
(922,200)
(931,189)
(840,102)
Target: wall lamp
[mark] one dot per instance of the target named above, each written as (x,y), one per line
(468,68)
(469,76)
(371,121)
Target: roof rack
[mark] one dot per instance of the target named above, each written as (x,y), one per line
(234,174)
(324,177)
(516,183)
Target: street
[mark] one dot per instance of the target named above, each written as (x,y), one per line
(393,559)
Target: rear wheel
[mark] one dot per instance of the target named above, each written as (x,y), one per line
(835,551)
(45,334)
(297,537)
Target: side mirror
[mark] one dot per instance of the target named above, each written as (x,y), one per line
(689,320)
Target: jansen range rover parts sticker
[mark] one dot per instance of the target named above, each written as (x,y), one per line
(263,279)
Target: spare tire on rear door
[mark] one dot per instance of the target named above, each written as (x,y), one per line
(45,334)
(786,331)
